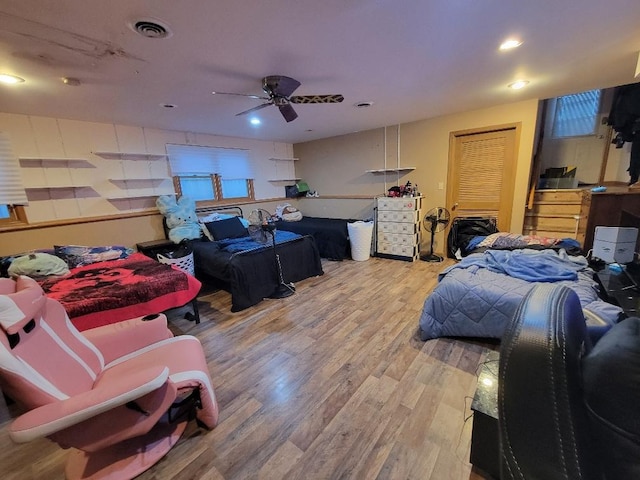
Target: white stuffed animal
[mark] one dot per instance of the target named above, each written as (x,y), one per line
(180,216)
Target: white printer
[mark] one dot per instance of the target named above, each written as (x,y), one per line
(615,244)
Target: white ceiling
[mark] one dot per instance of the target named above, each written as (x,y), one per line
(413,59)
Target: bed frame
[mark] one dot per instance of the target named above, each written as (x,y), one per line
(249,275)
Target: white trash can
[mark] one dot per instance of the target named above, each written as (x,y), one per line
(360,239)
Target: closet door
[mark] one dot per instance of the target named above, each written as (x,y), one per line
(481,174)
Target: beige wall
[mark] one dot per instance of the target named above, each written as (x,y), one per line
(337,166)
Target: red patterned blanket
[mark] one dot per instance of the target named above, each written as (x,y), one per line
(116,290)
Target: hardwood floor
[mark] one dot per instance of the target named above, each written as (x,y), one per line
(330,383)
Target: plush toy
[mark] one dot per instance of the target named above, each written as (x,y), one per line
(180,216)
(38,265)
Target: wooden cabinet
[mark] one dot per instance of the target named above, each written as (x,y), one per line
(575,213)
(398,227)
(617,207)
(559,213)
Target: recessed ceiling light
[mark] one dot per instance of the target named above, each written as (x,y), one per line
(255,121)
(510,43)
(518,84)
(10,79)
(168,105)
(363,104)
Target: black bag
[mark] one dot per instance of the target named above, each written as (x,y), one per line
(291,191)
(463,229)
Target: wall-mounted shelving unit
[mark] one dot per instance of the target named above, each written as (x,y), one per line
(392,170)
(130,156)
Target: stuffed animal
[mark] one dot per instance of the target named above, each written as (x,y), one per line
(180,216)
(38,265)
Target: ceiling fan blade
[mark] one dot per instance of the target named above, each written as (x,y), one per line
(241,95)
(254,109)
(279,85)
(316,99)
(288,112)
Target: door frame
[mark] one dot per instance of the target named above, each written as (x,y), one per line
(451,173)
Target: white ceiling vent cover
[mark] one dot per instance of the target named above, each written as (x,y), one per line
(151,28)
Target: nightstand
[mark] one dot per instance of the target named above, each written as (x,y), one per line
(485,436)
(152,248)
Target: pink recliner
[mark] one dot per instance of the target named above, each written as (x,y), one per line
(119,396)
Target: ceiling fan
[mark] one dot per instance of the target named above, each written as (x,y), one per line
(279,89)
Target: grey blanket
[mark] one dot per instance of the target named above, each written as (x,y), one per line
(479,295)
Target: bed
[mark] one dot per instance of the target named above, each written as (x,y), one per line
(111,291)
(331,235)
(246,268)
(478,296)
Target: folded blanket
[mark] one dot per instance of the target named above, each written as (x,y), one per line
(234,245)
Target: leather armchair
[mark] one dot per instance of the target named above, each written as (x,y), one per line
(568,409)
(112,394)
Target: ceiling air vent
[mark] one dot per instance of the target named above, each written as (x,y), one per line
(151,28)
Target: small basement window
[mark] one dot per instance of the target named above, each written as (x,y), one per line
(576,115)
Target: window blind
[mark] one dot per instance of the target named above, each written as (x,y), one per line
(229,163)
(11,189)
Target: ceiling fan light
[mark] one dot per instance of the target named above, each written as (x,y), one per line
(510,44)
(10,79)
(518,84)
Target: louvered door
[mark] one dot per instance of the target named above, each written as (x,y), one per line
(481,174)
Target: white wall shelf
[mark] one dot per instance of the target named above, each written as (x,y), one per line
(129,156)
(392,170)
(52,159)
(55,187)
(285,179)
(130,197)
(140,179)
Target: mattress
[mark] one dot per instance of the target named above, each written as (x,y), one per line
(251,275)
(331,235)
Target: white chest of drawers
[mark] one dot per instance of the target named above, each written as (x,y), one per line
(398,227)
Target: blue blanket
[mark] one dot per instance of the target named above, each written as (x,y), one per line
(478,296)
(529,265)
(235,245)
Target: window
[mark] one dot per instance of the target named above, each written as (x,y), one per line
(12,193)
(198,187)
(577,114)
(12,214)
(211,173)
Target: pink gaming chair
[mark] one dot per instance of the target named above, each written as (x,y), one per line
(118,396)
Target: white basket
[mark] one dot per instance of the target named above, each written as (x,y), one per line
(360,234)
(182,263)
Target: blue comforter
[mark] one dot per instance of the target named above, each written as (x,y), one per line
(479,295)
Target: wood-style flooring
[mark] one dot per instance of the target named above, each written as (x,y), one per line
(330,383)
